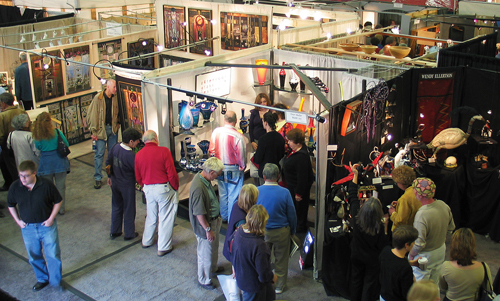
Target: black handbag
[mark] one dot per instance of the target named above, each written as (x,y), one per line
(62,149)
(485,291)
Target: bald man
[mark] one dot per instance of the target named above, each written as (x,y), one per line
(228,145)
(103,118)
(155,170)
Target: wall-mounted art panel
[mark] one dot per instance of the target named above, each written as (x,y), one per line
(110,51)
(47,76)
(77,75)
(130,100)
(240,31)
(175,31)
(139,48)
(200,29)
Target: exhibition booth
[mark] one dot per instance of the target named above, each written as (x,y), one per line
(410,111)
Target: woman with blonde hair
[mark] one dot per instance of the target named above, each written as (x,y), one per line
(251,257)
(423,290)
(462,276)
(247,198)
(52,166)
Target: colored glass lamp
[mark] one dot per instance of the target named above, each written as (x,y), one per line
(261,72)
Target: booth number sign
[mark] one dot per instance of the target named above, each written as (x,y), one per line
(215,83)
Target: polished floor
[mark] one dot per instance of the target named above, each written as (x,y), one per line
(98,268)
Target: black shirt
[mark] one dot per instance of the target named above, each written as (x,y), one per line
(396,276)
(109,104)
(34,206)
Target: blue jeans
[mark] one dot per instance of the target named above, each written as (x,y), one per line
(229,189)
(265,294)
(35,238)
(99,152)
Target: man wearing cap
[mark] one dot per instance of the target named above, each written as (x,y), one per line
(433,221)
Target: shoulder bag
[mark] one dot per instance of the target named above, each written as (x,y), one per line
(62,149)
(485,291)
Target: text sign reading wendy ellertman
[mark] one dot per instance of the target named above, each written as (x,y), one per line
(296,117)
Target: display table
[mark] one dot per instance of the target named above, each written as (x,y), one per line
(472,195)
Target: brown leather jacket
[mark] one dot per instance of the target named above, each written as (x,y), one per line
(96,116)
(5,122)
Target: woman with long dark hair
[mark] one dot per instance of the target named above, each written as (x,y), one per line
(271,147)
(52,166)
(368,240)
(462,276)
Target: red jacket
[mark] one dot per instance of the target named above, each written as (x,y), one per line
(154,165)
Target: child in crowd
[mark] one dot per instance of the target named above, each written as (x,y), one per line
(396,274)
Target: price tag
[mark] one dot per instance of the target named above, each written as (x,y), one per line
(376,181)
(332,147)
(296,117)
(387,187)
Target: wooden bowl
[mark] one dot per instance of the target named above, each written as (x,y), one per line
(368,49)
(399,52)
(349,47)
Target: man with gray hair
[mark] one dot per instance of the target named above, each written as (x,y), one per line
(103,117)
(23,83)
(21,141)
(204,215)
(282,222)
(228,145)
(7,159)
(155,170)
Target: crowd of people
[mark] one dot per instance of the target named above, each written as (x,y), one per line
(261,218)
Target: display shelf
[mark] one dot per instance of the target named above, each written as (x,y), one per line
(266,84)
(276,88)
(196,131)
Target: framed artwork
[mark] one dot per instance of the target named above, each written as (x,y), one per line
(71,122)
(48,81)
(241,31)
(110,51)
(4,76)
(77,76)
(85,101)
(200,29)
(131,95)
(169,60)
(55,111)
(351,116)
(175,31)
(137,49)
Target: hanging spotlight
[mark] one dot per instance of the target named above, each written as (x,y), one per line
(59,42)
(45,36)
(288,14)
(213,21)
(317,16)
(63,32)
(184,23)
(45,60)
(54,34)
(51,44)
(389,137)
(421,115)
(282,26)
(159,47)
(70,40)
(348,31)
(102,80)
(33,38)
(23,39)
(37,46)
(303,14)
(80,38)
(489,112)
(208,52)
(328,36)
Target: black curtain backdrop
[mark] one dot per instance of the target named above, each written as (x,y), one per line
(477,53)
(469,190)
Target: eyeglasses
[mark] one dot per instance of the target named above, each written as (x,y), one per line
(25,176)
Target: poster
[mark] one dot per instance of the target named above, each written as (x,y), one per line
(241,31)
(48,81)
(175,31)
(71,122)
(136,49)
(435,100)
(77,75)
(130,99)
(200,29)
(110,51)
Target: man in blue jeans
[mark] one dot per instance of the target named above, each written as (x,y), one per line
(38,202)
(104,122)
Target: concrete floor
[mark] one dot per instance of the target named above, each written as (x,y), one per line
(97,268)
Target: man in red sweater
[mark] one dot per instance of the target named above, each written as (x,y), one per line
(154,169)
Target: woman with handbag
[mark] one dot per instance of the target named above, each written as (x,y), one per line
(462,277)
(53,166)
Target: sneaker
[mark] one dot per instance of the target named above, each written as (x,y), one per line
(97,184)
(278,290)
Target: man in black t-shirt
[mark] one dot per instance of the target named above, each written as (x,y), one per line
(396,274)
(38,202)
